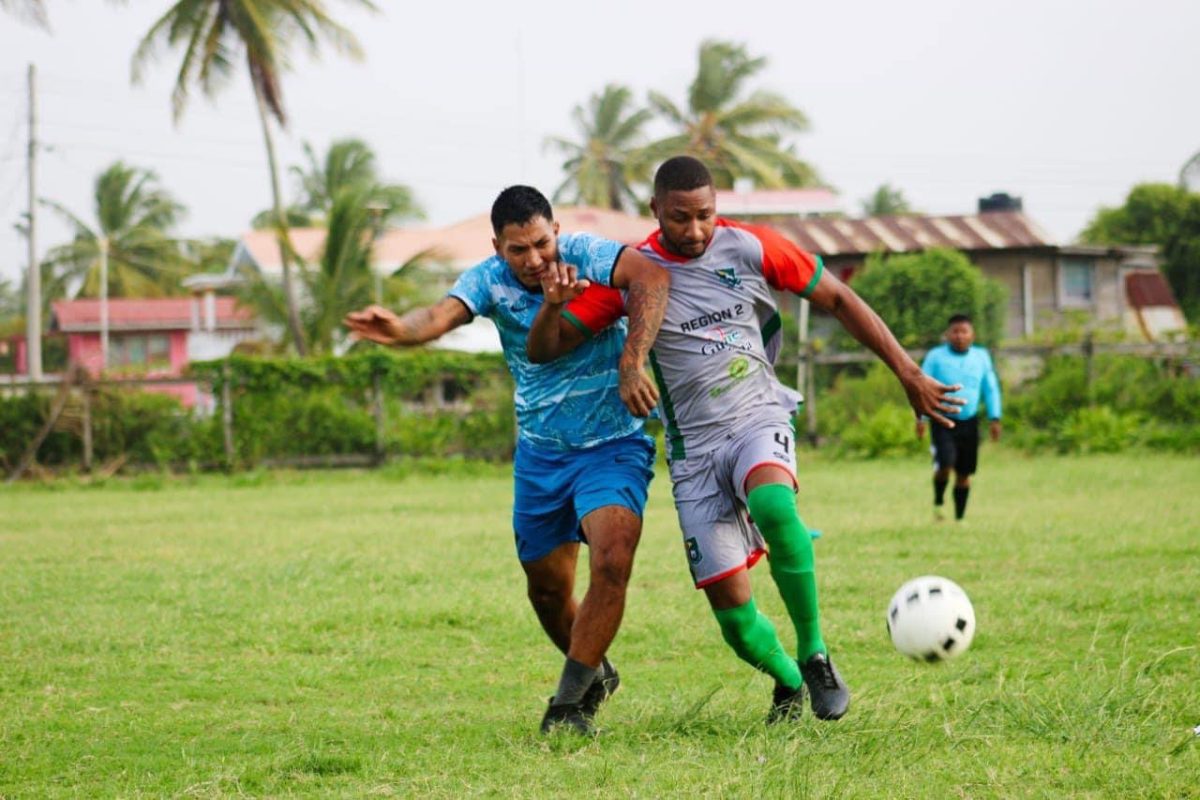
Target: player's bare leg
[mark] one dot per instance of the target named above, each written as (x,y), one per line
(588,679)
(550,582)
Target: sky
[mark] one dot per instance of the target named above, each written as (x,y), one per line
(1065,104)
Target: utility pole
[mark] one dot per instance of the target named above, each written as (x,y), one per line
(33,281)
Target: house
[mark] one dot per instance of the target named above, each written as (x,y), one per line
(1047,282)
(149,337)
(451,249)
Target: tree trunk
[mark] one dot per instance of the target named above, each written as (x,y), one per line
(281,227)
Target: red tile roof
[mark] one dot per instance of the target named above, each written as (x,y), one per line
(168,313)
(461,244)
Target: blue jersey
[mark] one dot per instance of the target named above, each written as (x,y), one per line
(974,370)
(571,402)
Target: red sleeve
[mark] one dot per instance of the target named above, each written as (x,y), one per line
(785,265)
(595,309)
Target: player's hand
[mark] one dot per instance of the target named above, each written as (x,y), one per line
(931,398)
(920,429)
(374,323)
(561,283)
(638,392)
(994,429)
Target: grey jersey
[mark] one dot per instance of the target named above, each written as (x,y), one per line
(715,352)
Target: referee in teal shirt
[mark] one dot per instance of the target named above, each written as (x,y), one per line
(959,361)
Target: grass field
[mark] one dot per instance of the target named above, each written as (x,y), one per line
(366,635)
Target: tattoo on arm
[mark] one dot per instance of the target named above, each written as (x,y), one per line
(646,306)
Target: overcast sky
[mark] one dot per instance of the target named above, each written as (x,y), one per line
(1067,104)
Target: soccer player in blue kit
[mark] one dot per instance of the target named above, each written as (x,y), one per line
(583,463)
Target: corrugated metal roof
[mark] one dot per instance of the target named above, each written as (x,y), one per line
(996,230)
(1145,289)
(166,313)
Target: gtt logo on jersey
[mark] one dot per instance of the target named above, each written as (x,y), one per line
(728,276)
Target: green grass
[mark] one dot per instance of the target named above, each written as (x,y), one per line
(366,635)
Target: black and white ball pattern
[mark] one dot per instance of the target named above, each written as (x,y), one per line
(931,619)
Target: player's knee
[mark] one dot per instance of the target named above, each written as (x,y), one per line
(612,566)
(548,596)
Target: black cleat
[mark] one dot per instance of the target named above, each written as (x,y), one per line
(569,716)
(605,686)
(830,695)
(787,705)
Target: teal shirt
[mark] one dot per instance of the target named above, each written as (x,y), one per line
(973,369)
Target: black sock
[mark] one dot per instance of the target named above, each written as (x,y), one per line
(575,680)
(939,490)
(960,500)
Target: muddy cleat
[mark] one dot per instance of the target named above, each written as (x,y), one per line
(787,705)
(605,686)
(830,695)
(567,716)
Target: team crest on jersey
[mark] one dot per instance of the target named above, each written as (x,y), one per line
(728,276)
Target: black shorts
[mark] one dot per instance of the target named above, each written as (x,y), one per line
(956,447)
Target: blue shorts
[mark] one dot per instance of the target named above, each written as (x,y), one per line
(555,489)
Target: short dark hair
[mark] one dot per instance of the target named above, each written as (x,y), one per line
(681,174)
(518,205)
(957,318)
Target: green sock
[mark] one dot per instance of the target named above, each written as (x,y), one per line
(773,507)
(753,638)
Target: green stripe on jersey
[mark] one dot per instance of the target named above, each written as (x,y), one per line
(771,328)
(673,434)
(816,278)
(574,320)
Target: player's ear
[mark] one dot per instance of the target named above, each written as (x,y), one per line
(654,207)
(496,245)
(556,227)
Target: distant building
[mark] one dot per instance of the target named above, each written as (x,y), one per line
(149,338)
(1046,281)
(451,249)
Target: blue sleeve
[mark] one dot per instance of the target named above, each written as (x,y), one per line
(474,288)
(991,388)
(932,363)
(593,256)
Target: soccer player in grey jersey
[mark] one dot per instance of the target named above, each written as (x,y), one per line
(730,441)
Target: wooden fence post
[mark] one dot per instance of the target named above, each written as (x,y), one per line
(1089,350)
(380,417)
(227,416)
(86,394)
(810,392)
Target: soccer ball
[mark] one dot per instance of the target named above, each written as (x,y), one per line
(931,619)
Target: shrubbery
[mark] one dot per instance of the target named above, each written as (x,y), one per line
(1129,402)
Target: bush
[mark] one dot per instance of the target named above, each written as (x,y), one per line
(916,294)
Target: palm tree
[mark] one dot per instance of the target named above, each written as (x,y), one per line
(28,10)
(601,166)
(215,36)
(343,280)
(736,136)
(886,201)
(349,164)
(1189,170)
(128,250)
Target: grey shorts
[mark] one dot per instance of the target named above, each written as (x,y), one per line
(719,537)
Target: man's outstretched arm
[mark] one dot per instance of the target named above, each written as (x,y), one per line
(927,396)
(421,325)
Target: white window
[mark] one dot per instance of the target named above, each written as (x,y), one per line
(1077,276)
